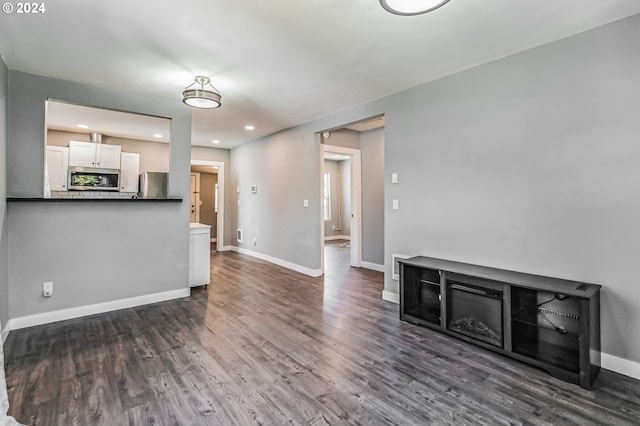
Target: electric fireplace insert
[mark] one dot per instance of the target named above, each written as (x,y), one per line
(475,311)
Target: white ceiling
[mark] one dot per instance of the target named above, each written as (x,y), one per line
(67,117)
(280,63)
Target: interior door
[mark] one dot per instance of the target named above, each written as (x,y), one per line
(195,198)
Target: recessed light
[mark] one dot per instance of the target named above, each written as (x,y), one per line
(249,127)
(157,135)
(215,141)
(83,126)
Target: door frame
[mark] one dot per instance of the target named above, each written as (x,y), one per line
(197,202)
(356,201)
(220,219)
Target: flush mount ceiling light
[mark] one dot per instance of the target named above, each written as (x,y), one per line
(411,7)
(201,96)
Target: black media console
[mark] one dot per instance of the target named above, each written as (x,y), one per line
(550,323)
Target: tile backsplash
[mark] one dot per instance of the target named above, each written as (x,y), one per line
(92,194)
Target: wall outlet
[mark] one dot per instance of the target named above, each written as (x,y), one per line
(255,241)
(47,289)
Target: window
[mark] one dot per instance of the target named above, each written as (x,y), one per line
(327,196)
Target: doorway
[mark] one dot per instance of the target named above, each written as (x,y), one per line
(207,198)
(361,145)
(345,177)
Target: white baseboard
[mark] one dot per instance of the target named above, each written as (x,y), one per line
(608,362)
(337,237)
(226,248)
(5,331)
(279,262)
(621,365)
(372,266)
(390,296)
(98,308)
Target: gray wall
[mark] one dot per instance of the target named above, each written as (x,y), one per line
(372,153)
(528,163)
(339,192)
(286,168)
(4,254)
(92,252)
(4,278)
(343,137)
(344,172)
(223,156)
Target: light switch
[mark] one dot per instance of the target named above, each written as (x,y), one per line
(395,204)
(394,178)
(305,203)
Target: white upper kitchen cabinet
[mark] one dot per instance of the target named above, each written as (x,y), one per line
(108,156)
(89,154)
(57,167)
(129,168)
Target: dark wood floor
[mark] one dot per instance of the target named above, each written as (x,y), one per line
(264,345)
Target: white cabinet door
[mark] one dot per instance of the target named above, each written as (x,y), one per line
(129,168)
(199,254)
(82,154)
(108,156)
(89,154)
(57,167)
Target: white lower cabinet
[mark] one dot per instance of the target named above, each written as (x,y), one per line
(199,254)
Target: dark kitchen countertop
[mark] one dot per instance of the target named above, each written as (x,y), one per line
(94,200)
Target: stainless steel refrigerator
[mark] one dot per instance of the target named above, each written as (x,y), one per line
(153,185)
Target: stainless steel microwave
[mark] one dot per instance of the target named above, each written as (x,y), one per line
(90,179)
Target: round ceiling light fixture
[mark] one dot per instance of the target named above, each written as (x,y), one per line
(201,96)
(411,7)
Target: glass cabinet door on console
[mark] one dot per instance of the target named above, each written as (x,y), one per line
(421,297)
(546,327)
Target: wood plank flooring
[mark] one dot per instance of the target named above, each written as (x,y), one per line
(265,345)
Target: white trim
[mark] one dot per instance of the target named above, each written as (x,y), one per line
(355,181)
(6,330)
(372,266)
(337,237)
(394,259)
(608,362)
(226,248)
(279,262)
(98,308)
(220,221)
(390,296)
(621,365)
